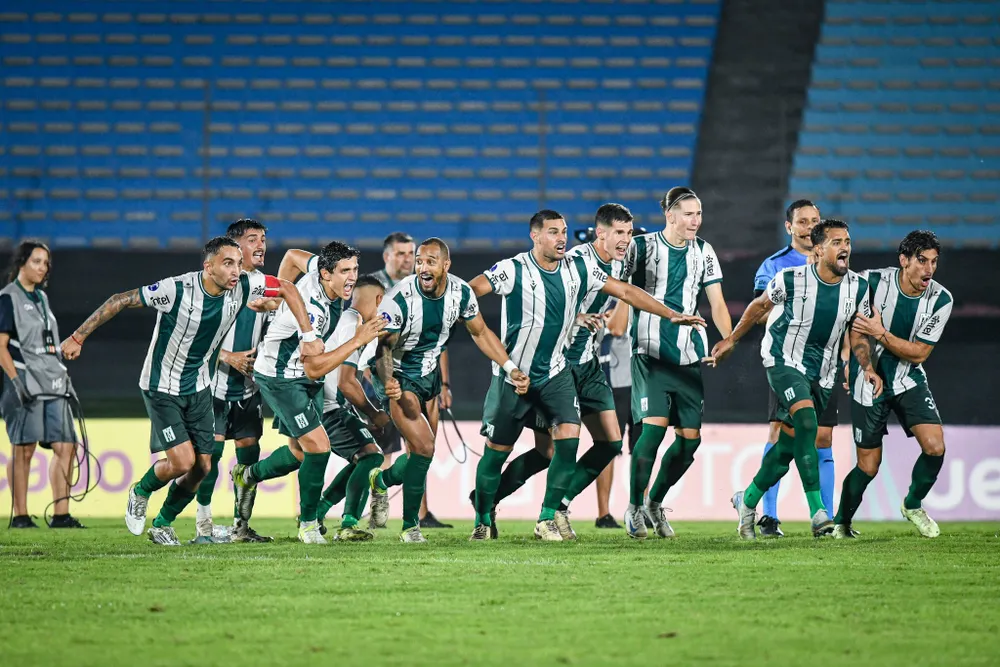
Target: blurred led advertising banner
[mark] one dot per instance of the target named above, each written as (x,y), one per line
(968,488)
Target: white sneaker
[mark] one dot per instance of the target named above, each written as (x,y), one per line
(821,524)
(660,523)
(926,526)
(378,503)
(635,524)
(309,533)
(412,535)
(747,527)
(135,513)
(547,531)
(563,525)
(165,536)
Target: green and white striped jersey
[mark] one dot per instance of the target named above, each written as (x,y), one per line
(582,344)
(675,276)
(346,328)
(424,324)
(805,329)
(278,354)
(539,310)
(920,318)
(190,325)
(245,334)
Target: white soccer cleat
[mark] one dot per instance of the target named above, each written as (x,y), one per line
(547,531)
(635,523)
(412,535)
(378,502)
(748,518)
(309,533)
(563,525)
(163,536)
(926,526)
(821,524)
(660,524)
(135,513)
(843,531)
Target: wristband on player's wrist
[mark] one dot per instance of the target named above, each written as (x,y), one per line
(75,339)
(308,336)
(509,366)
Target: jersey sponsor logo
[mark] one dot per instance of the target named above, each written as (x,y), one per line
(28,306)
(790,393)
(931,323)
(709,265)
(301,421)
(258,291)
(168,434)
(159,301)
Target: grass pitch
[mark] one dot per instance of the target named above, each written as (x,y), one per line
(103,597)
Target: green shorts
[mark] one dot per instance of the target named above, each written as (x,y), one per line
(790,386)
(238,420)
(297,403)
(347,432)
(505,414)
(425,388)
(913,407)
(178,419)
(663,389)
(592,388)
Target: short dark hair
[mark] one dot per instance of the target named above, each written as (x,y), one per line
(675,195)
(394,238)
(369,280)
(796,205)
(238,229)
(213,247)
(818,233)
(917,241)
(539,219)
(608,214)
(333,252)
(442,246)
(21,256)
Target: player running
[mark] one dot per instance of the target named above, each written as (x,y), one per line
(676,267)
(195,311)
(800,351)
(235,397)
(421,311)
(543,291)
(800,217)
(292,383)
(909,312)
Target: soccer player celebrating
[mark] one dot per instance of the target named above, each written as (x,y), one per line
(675,266)
(800,217)
(421,311)
(235,396)
(543,292)
(909,313)
(800,351)
(195,310)
(291,383)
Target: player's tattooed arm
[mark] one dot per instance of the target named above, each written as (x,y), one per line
(114,305)
(384,366)
(862,349)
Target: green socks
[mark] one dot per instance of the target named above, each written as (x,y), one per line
(311,475)
(676,460)
(357,488)
(643,456)
(207,486)
(753,494)
(336,492)
(177,500)
(280,463)
(519,471)
(248,455)
(925,473)
(772,468)
(149,483)
(393,475)
(414,482)
(590,466)
(802,448)
(487,481)
(850,496)
(560,475)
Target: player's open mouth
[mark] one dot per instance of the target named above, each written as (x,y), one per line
(925,281)
(426,279)
(259,255)
(560,248)
(348,288)
(842,258)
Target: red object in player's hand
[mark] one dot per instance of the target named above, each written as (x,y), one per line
(272,287)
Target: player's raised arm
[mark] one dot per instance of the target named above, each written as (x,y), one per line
(641,300)
(150,295)
(758,308)
(317,366)
(294,264)
(491,346)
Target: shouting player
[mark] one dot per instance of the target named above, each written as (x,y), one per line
(421,311)
(801,352)
(194,313)
(909,313)
(543,292)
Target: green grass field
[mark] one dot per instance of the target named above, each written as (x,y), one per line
(103,597)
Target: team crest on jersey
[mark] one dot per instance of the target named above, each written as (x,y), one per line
(450,317)
(849,306)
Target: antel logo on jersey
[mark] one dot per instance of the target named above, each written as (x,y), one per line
(159,301)
(931,323)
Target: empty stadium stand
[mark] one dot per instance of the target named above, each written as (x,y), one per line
(902,127)
(153,124)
